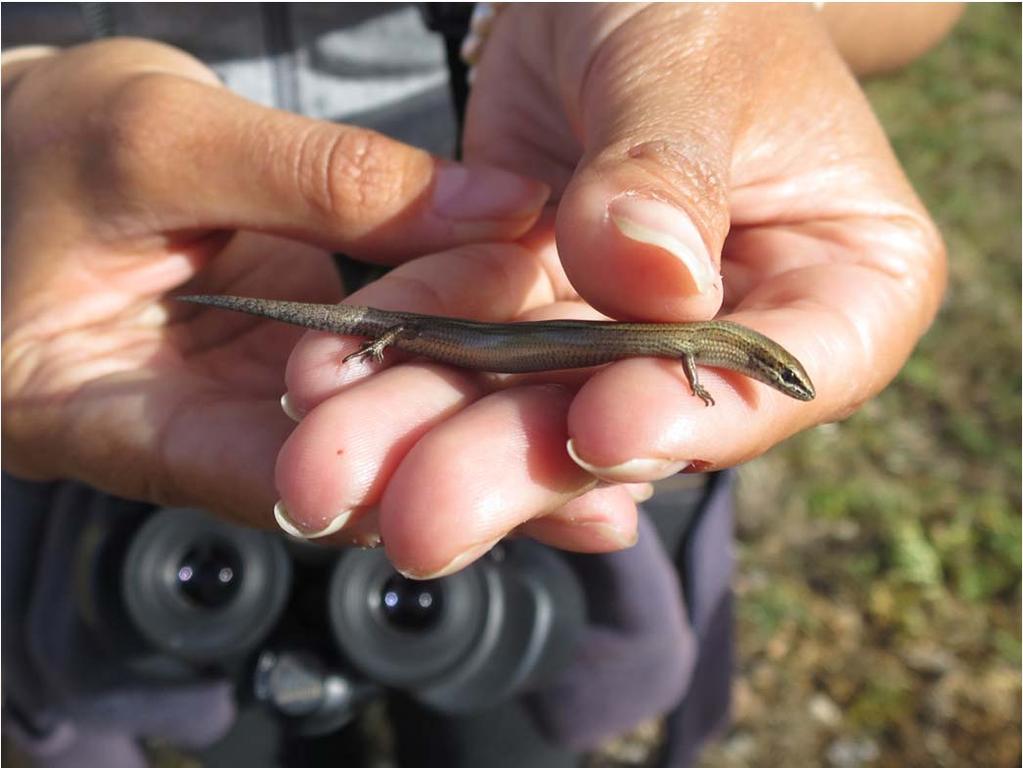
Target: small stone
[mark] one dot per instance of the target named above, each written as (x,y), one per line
(746,705)
(929,661)
(741,748)
(825,711)
(845,530)
(852,753)
(777,647)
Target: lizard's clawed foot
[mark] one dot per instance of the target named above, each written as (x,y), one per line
(373,349)
(703,394)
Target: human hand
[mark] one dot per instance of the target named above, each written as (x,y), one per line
(708,160)
(711,161)
(128,173)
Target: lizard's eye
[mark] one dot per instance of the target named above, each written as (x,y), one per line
(790,378)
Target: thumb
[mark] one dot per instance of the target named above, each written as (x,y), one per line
(199,157)
(641,224)
(354,189)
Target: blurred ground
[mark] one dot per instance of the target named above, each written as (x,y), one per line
(879,576)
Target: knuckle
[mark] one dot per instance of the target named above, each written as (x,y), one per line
(914,259)
(692,175)
(689,165)
(932,244)
(354,177)
(933,263)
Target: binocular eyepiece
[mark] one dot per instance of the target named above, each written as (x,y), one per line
(202,591)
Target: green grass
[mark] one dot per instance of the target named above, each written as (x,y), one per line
(888,556)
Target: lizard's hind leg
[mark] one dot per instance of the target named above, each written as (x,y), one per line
(375,347)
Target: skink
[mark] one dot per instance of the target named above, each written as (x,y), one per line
(544,345)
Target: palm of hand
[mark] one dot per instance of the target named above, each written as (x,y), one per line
(154,403)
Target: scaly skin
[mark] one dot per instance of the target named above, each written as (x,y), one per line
(542,346)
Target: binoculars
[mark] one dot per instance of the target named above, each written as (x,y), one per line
(115,603)
(172,596)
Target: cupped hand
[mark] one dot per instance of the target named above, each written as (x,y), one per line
(708,161)
(711,160)
(129,173)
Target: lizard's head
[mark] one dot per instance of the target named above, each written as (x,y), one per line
(777,367)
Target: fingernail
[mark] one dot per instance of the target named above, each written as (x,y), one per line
(289,527)
(665,226)
(631,471)
(639,492)
(614,536)
(365,532)
(457,563)
(485,193)
(367,541)
(290,409)
(636,491)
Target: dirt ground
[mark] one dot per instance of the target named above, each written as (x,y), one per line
(879,576)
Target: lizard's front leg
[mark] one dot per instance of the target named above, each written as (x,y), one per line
(689,366)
